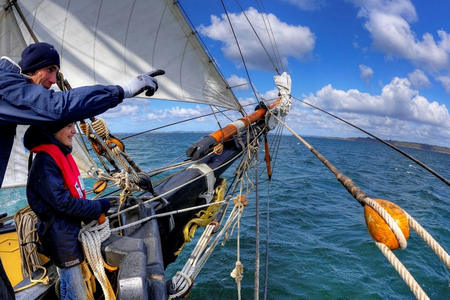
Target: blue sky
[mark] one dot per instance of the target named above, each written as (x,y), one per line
(382,64)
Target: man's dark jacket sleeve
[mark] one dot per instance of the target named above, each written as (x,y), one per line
(22,102)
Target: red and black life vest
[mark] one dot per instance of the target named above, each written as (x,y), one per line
(68,167)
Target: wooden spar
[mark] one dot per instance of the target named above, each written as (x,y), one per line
(231,129)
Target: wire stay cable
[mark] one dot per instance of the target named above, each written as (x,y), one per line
(380,140)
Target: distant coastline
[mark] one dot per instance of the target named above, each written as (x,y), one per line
(412,145)
(401,144)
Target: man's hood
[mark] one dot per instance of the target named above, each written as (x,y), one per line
(9,65)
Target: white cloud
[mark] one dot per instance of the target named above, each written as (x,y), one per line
(317,123)
(123,110)
(402,8)
(295,41)
(445,40)
(307,4)
(366,73)
(271,94)
(397,100)
(388,23)
(247,102)
(184,112)
(418,79)
(445,81)
(176,112)
(238,83)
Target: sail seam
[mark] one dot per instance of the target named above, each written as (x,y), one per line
(64,31)
(95,38)
(126,36)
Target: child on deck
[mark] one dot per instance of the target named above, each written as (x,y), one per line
(55,192)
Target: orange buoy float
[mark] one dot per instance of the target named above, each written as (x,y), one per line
(379,229)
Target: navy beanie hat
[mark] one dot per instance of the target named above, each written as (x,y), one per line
(54,127)
(37,56)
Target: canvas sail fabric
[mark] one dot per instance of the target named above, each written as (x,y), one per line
(17,171)
(11,44)
(11,40)
(110,42)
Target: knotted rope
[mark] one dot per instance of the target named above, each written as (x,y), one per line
(120,179)
(238,270)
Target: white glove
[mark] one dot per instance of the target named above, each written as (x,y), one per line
(142,82)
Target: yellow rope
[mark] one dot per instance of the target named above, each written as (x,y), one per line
(203,217)
(91,237)
(122,199)
(89,280)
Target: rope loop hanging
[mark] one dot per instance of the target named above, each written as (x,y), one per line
(91,236)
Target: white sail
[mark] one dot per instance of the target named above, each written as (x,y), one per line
(109,42)
(11,40)
(17,170)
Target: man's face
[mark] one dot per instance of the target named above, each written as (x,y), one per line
(65,135)
(45,76)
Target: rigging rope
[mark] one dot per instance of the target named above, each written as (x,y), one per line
(182,121)
(259,39)
(183,280)
(25,220)
(240,51)
(190,181)
(266,271)
(272,38)
(256,289)
(363,199)
(380,140)
(211,60)
(431,242)
(402,271)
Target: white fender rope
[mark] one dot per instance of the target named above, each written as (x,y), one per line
(91,237)
(389,220)
(431,242)
(402,271)
(395,262)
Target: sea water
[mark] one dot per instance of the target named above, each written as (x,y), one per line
(319,246)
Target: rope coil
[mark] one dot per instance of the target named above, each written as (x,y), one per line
(100,128)
(91,236)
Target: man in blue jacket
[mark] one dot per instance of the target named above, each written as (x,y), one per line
(26,99)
